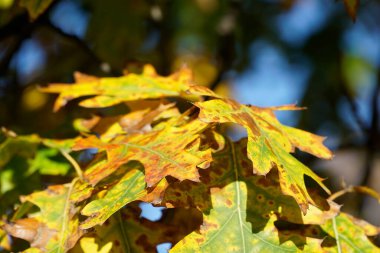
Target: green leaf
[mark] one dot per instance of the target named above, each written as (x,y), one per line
(24,146)
(270,142)
(46,163)
(157,150)
(35,7)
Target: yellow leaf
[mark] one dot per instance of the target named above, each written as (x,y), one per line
(110,91)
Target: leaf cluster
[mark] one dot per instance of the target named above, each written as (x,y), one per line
(170,150)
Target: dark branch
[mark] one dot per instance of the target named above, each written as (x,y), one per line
(80,44)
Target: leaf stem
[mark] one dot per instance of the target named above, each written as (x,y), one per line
(74,163)
(340,193)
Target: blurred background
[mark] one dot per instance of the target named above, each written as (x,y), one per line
(262,52)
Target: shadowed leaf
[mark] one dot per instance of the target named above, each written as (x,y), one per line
(265,195)
(24,146)
(126,231)
(242,207)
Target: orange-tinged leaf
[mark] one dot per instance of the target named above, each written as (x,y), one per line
(110,91)
(170,151)
(30,229)
(269,144)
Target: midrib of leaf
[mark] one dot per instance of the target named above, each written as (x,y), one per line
(65,215)
(162,155)
(336,235)
(124,235)
(116,91)
(348,242)
(233,152)
(239,211)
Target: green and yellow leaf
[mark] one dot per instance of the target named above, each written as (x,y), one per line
(55,228)
(240,208)
(270,142)
(131,187)
(349,236)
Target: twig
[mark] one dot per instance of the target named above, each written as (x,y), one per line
(340,193)
(74,163)
(372,137)
(80,44)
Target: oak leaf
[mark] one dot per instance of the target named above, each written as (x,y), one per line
(270,142)
(156,150)
(110,91)
(55,228)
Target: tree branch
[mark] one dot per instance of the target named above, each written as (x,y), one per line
(80,44)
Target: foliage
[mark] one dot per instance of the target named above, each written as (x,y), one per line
(220,195)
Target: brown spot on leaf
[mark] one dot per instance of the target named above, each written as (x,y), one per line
(294,189)
(260,197)
(143,242)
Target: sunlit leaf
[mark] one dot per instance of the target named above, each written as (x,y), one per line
(110,91)
(4,240)
(270,142)
(156,150)
(55,228)
(349,236)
